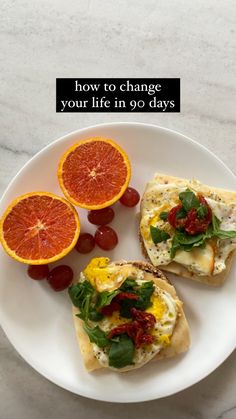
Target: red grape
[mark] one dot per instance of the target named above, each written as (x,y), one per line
(106,238)
(101,217)
(38,271)
(85,243)
(60,277)
(130,198)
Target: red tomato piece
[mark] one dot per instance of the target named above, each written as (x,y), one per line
(146,320)
(172,217)
(109,310)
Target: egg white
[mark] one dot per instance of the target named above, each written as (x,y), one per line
(208,261)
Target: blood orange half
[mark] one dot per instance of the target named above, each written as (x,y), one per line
(39,228)
(94,173)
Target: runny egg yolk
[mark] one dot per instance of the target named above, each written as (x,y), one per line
(104,276)
(117,319)
(164,340)
(153,221)
(158,307)
(96,270)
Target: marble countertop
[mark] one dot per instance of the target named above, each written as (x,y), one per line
(80,38)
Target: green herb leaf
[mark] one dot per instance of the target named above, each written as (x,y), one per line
(215,223)
(78,292)
(96,335)
(106,297)
(164,215)
(158,235)
(82,296)
(189,200)
(202,211)
(144,292)
(128,285)
(121,352)
(186,242)
(181,213)
(94,315)
(186,239)
(225,234)
(174,247)
(125,307)
(221,234)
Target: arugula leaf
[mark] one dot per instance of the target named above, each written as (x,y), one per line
(121,352)
(186,242)
(128,285)
(96,335)
(164,215)
(81,295)
(84,310)
(144,292)
(174,247)
(78,292)
(106,297)
(221,234)
(185,239)
(125,307)
(95,315)
(181,213)
(158,235)
(225,234)
(215,223)
(189,200)
(202,211)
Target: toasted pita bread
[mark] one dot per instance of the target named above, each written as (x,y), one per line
(226,196)
(180,339)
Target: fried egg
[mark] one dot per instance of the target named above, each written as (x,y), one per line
(210,260)
(164,307)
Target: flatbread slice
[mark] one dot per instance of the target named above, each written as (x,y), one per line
(217,194)
(179,341)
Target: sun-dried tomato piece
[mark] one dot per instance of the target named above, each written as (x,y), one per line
(136,329)
(144,339)
(172,217)
(115,304)
(146,320)
(109,310)
(192,223)
(126,295)
(122,328)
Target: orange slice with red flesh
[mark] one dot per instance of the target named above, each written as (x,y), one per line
(39,228)
(94,173)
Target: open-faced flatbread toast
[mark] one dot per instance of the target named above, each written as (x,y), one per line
(129,314)
(189,228)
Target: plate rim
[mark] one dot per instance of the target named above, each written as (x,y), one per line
(80,131)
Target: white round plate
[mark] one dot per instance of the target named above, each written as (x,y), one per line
(38,321)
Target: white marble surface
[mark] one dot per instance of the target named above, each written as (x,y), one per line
(45,39)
